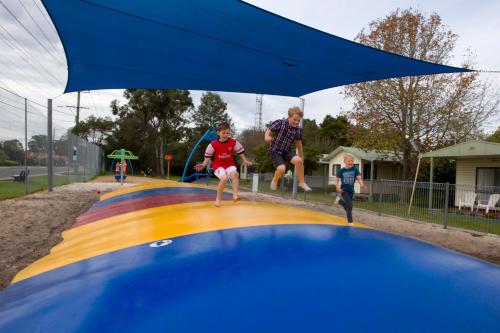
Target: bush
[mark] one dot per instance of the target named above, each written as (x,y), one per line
(9,163)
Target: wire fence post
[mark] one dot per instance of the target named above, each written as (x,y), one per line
(379,213)
(25,146)
(255,183)
(446,201)
(49,147)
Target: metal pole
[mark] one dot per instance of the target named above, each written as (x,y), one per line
(78,108)
(431,176)
(294,190)
(49,147)
(414,184)
(25,146)
(372,172)
(446,201)
(381,192)
(122,153)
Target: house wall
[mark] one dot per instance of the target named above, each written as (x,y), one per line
(388,170)
(466,176)
(466,169)
(321,171)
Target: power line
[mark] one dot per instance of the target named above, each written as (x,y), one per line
(51,26)
(15,107)
(29,55)
(29,80)
(29,32)
(39,28)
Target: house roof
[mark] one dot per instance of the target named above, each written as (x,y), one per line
(467,149)
(366,154)
(217,45)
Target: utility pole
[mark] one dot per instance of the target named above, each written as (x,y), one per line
(77,107)
(258,114)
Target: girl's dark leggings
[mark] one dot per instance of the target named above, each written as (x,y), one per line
(346,202)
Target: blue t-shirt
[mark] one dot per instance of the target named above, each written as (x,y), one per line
(347,178)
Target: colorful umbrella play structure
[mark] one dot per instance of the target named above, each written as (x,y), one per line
(161,257)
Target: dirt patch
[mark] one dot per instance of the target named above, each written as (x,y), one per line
(30,226)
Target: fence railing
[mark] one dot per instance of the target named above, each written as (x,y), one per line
(463,206)
(25,133)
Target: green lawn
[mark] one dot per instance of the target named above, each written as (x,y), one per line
(12,189)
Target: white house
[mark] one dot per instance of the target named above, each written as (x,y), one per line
(372,164)
(477,166)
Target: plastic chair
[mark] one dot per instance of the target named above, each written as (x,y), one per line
(490,204)
(467,199)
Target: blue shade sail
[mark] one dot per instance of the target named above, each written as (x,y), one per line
(221,45)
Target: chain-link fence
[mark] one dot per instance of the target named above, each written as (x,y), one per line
(24,153)
(463,206)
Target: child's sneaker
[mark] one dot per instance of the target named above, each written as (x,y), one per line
(305,187)
(274,185)
(350,224)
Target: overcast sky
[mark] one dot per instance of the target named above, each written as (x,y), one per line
(33,64)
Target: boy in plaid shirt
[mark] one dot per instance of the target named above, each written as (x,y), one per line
(280,134)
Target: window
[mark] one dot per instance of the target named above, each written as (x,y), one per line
(335,169)
(367,169)
(487,177)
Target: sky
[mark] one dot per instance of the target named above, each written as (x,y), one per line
(32,61)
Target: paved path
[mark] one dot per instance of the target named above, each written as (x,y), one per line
(7,172)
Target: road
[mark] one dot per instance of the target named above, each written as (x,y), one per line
(7,172)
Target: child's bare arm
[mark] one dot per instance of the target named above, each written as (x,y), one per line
(337,185)
(268,136)
(245,160)
(202,166)
(360,180)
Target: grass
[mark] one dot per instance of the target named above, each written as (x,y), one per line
(458,219)
(455,218)
(12,189)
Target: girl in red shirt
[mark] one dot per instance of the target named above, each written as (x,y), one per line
(223,150)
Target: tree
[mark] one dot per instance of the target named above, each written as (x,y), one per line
(149,122)
(211,111)
(334,132)
(38,143)
(3,156)
(434,110)
(94,129)
(14,150)
(251,139)
(262,158)
(494,137)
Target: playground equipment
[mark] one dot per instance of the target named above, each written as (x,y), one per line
(123,156)
(168,158)
(209,135)
(158,256)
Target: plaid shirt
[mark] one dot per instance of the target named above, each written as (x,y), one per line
(284,135)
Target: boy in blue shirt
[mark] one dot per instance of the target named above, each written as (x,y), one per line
(347,176)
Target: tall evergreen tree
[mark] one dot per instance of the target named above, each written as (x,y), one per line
(211,111)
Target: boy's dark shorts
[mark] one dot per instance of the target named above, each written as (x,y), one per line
(280,158)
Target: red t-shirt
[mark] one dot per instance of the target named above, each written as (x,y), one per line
(223,153)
